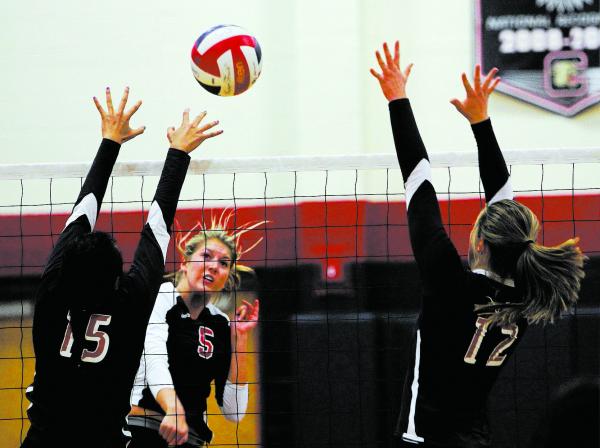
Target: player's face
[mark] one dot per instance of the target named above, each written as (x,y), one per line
(208,268)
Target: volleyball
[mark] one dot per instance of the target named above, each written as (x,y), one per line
(226,60)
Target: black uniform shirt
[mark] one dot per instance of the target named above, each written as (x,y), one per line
(456,356)
(198,352)
(84,372)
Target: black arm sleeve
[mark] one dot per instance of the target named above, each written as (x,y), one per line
(97,178)
(149,260)
(89,200)
(171,181)
(434,252)
(492,167)
(409,145)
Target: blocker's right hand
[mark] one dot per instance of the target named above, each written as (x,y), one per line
(188,136)
(392,80)
(475,106)
(174,429)
(115,125)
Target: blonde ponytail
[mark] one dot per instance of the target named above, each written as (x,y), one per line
(550,279)
(547,278)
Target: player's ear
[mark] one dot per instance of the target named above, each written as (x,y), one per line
(183,266)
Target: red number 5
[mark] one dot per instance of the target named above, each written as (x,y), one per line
(91,334)
(205,347)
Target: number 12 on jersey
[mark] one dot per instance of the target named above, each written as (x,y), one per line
(497,357)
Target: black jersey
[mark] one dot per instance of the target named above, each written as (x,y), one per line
(198,352)
(84,373)
(456,355)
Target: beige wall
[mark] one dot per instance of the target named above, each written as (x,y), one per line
(315,95)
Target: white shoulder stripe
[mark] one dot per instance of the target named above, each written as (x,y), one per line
(420,174)
(506,192)
(159,228)
(88,206)
(214,310)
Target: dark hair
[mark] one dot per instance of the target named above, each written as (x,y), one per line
(91,264)
(548,277)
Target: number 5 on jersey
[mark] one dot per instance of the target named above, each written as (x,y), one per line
(93,334)
(205,346)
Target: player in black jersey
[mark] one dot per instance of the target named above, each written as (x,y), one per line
(189,344)
(471,319)
(90,317)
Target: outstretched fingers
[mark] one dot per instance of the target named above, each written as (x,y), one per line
(100,108)
(109,104)
(199,118)
(376,75)
(388,56)
(186,117)
(477,78)
(489,79)
(208,126)
(123,102)
(212,134)
(495,83)
(132,110)
(397,53)
(380,61)
(467,85)
(407,71)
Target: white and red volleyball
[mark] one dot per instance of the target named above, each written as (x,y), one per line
(226,60)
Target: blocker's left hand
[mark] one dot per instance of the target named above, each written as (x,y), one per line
(246,318)
(474,106)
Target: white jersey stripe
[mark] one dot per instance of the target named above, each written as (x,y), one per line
(411,434)
(506,192)
(88,206)
(159,228)
(420,174)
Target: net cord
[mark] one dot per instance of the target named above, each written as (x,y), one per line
(299,163)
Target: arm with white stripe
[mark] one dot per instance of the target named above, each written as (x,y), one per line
(154,370)
(474,107)
(85,212)
(149,260)
(492,167)
(434,252)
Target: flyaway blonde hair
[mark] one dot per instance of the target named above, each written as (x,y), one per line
(226,230)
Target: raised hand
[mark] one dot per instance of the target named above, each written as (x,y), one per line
(246,318)
(391,79)
(474,106)
(188,136)
(115,125)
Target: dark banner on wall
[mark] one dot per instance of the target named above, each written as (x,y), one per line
(548,51)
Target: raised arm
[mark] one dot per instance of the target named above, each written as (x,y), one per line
(434,252)
(115,131)
(492,167)
(148,263)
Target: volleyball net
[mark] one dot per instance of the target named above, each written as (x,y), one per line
(335,275)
